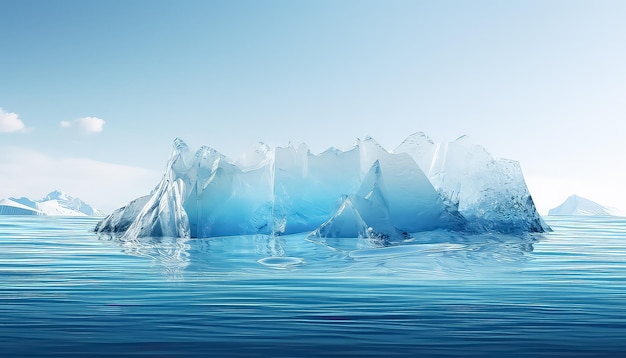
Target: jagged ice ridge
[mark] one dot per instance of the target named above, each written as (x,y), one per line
(365,192)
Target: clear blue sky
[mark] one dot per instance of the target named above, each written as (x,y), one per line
(542,82)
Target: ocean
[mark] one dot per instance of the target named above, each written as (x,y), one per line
(67,292)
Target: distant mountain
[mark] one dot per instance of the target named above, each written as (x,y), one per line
(576,205)
(56,203)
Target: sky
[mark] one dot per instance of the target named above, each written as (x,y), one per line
(92,93)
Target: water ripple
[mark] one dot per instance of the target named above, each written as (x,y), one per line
(64,291)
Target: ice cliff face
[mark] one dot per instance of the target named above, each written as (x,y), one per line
(11,207)
(366,191)
(489,192)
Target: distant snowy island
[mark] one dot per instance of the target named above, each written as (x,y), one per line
(366,192)
(56,203)
(576,205)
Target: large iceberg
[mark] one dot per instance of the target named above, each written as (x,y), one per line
(365,192)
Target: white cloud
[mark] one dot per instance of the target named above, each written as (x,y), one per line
(10,122)
(85,124)
(106,186)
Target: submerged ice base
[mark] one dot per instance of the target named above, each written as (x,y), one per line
(365,192)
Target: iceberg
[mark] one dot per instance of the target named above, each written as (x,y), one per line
(12,207)
(576,205)
(56,203)
(363,192)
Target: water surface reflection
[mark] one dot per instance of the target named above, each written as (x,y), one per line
(439,251)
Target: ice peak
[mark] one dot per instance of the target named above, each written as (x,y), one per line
(57,195)
(180,144)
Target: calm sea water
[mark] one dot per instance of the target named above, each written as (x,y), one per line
(65,291)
